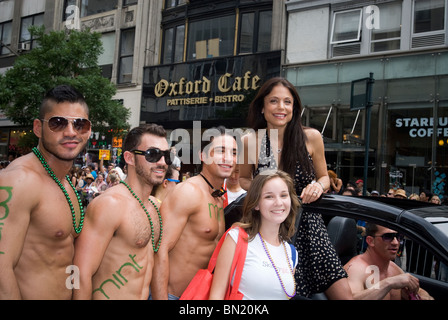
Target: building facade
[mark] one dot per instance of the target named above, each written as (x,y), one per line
(214,55)
(404,44)
(128,37)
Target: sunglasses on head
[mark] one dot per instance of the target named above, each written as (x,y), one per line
(390,236)
(155,154)
(57,124)
(172,180)
(216,193)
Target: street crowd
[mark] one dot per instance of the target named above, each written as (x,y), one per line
(141,231)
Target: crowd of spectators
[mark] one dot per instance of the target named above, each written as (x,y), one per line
(92,180)
(356,189)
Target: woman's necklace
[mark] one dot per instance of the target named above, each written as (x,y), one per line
(275,268)
(149,217)
(72,209)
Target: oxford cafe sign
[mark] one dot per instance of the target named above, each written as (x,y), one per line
(229,90)
(204,93)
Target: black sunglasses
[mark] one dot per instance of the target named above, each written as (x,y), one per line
(390,236)
(155,154)
(218,193)
(57,124)
(215,193)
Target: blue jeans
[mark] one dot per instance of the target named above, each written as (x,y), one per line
(170,297)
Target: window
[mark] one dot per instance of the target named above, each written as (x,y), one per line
(255,34)
(5,37)
(129,2)
(428,27)
(264,33)
(387,36)
(91,7)
(25,36)
(346,26)
(173,49)
(108,41)
(211,38)
(173,3)
(107,58)
(126,56)
(429,15)
(247,32)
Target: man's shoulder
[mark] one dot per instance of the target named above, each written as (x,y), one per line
(113,197)
(111,205)
(356,263)
(20,171)
(188,195)
(187,188)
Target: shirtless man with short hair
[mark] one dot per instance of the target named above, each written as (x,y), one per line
(115,253)
(193,220)
(388,281)
(37,230)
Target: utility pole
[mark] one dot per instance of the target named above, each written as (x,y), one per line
(362,99)
(369,105)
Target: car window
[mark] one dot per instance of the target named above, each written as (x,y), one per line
(415,258)
(412,257)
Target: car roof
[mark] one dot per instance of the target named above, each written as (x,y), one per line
(420,208)
(405,216)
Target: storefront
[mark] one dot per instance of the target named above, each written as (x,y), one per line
(409,123)
(212,91)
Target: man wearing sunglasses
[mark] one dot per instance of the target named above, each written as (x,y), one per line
(373,275)
(40,215)
(123,230)
(193,218)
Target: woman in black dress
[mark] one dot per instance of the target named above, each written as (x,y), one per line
(281,142)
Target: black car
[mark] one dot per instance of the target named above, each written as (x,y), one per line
(424,252)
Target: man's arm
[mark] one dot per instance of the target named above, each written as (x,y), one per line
(365,285)
(179,204)
(339,290)
(102,219)
(385,286)
(17,199)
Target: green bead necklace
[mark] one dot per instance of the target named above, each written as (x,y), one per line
(59,183)
(149,217)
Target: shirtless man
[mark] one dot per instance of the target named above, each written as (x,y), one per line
(37,230)
(115,253)
(193,218)
(388,281)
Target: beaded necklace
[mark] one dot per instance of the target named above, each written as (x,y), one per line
(275,268)
(149,217)
(59,183)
